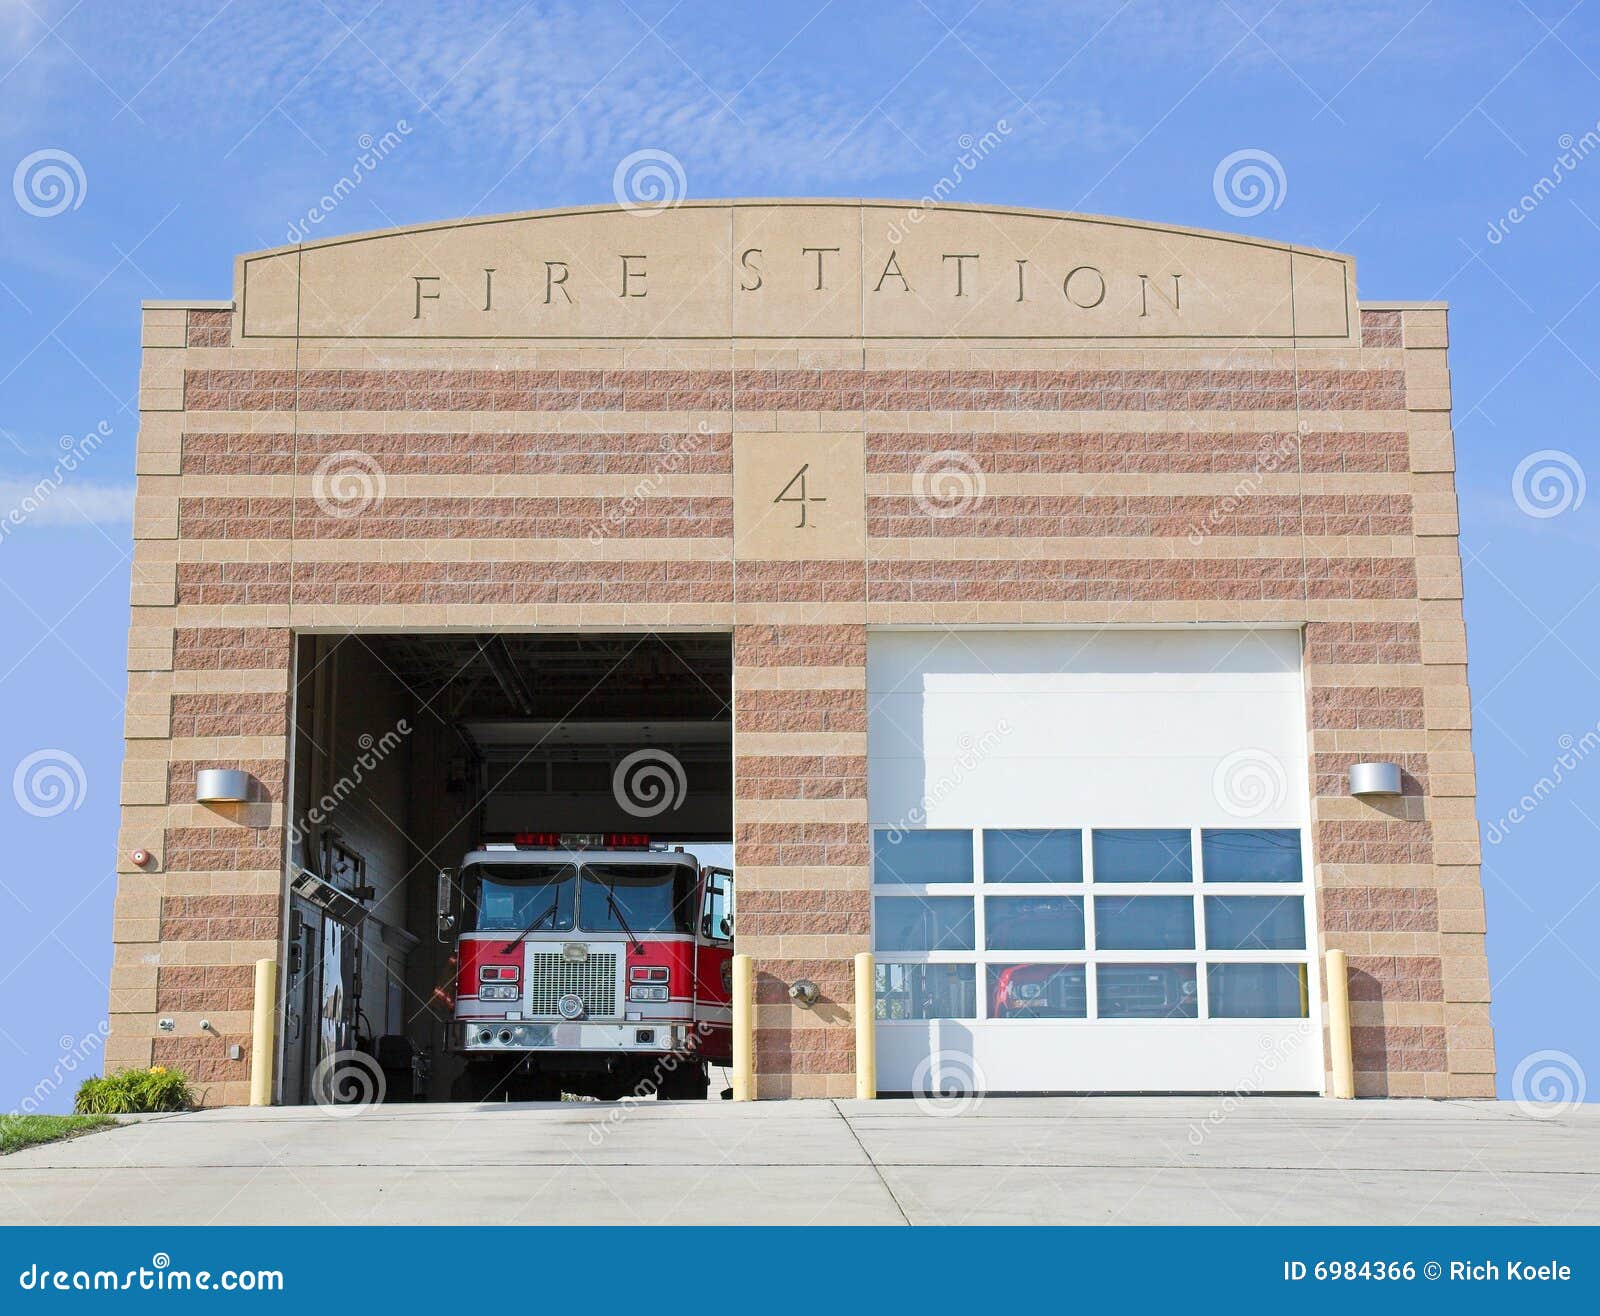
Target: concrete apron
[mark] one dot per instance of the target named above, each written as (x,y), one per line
(995,1160)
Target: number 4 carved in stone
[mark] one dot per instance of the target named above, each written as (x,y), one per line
(795,492)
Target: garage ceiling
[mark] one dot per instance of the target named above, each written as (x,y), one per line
(553,677)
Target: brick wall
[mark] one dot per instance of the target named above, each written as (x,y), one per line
(593,487)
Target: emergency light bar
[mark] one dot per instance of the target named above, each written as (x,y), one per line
(581,840)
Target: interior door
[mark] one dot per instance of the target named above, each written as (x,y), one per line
(301,1001)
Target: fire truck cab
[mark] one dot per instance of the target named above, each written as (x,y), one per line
(592,964)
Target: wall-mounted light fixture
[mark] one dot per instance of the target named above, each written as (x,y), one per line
(804,992)
(221,786)
(1374,779)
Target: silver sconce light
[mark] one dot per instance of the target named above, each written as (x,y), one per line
(1373,779)
(221,786)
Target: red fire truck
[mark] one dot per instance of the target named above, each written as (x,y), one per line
(598,964)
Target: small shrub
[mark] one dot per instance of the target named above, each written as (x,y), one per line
(135,1092)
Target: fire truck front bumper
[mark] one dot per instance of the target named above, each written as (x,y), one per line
(491,1036)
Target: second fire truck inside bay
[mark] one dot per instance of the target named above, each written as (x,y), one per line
(597,964)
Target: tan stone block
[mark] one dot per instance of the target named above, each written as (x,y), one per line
(126,1052)
(134,975)
(1428,399)
(1438,578)
(1465,984)
(132,998)
(1463,919)
(1425,329)
(162,327)
(161,368)
(800,500)
(160,399)
(1447,707)
(1435,514)
(1432,450)
(1466,1015)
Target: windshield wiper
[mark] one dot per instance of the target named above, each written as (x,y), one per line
(611,903)
(532,927)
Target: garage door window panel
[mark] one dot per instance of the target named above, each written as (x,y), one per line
(1250,855)
(1255,923)
(1151,854)
(924,924)
(1033,923)
(925,991)
(921,858)
(1038,991)
(1258,991)
(1144,923)
(1033,855)
(1147,991)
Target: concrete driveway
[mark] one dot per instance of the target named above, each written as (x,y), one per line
(1003,1161)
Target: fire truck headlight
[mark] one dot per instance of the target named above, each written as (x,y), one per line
(491,991)
(638,993)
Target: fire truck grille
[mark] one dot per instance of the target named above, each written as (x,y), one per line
(593,981)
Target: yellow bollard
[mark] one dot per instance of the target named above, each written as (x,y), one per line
(744,1028)
(261,1032)
(1337,987)
(866,1028)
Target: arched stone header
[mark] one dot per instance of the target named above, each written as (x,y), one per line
(806,270)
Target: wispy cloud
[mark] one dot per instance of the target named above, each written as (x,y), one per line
(42,503)
(558,93)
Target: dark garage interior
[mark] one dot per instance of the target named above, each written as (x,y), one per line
(410,750)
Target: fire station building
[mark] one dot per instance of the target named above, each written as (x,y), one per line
(1010,594)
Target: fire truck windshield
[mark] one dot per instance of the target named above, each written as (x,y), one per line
(649,897)
(513,897)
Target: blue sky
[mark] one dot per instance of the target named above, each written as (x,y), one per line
(1406,133)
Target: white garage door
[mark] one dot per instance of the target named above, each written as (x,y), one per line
(1089,861)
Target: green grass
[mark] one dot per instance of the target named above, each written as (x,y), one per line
(19,1131)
